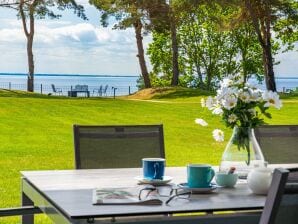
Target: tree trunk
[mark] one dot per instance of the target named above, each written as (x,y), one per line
(268,67)
(140,55)
(209,78)
(199,73)
(29,35)
(30,79)
(243,64)
(175,78)
(262,28)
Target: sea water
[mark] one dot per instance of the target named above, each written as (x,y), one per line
(122,85)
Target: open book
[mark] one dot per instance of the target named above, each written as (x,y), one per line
(122,196)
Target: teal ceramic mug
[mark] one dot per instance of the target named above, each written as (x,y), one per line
(199,175)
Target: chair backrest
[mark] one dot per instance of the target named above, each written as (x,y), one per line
(84,87)
(116,146)
(81,88)
(281,205)
(53,88)
(279,143)
(105,89)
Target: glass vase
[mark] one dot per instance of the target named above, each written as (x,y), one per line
(242,152)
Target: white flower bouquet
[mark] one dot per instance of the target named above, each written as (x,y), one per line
(242,106)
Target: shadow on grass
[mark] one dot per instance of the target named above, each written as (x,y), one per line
(293,95)
(154,93)
(173,93)
(24,94)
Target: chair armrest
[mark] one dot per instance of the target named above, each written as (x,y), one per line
(26,210)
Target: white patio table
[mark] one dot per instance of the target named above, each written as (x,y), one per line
(66,196)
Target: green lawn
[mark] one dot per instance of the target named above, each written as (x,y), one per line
(36,131)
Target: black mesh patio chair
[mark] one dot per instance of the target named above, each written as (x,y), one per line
(104,91)
(281,206)
(56,90)
(97,91)
(279,143)
(116,146)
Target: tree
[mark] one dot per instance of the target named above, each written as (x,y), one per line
(159,52)
(128,13)
(280,16)
(164,19)
(29,10)
(160,55)
(207,50)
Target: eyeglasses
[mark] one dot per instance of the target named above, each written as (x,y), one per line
(151,191)
(175,192)
(178,193)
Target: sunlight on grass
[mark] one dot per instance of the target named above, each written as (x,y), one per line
(36,132)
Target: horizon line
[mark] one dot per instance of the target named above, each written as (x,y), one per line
(92,75)
(49,74)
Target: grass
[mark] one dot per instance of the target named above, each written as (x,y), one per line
(36,130)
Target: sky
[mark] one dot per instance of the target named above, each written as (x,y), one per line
(71,45)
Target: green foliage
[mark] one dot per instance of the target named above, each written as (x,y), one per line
(285,22)
(159,52)
(280,16)
(204,46)
(207,51)
(127,12)
(44,8)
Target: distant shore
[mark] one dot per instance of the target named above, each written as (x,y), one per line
(87,75)
(68,75)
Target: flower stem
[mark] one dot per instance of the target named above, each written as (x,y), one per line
(248,156)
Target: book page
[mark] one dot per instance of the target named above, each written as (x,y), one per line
(122,196)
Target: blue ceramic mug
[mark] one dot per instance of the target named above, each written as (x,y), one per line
(153,168)
(199,175)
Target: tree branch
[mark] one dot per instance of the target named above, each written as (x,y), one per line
(13,5)
(255,22)
(23,17)
(31,16)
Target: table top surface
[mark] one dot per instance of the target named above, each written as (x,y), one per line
(71,192)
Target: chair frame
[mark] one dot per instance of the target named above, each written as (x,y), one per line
(98,91)
(56,90)
(104,90)
(274,196)
(258,134)
(76,128)
(25,210)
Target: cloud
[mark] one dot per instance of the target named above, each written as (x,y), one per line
(76,35)
(288,64)
(80,33)
(68,47)
(12,36)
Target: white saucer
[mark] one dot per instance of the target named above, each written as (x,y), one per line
(165,180)
(209,189)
